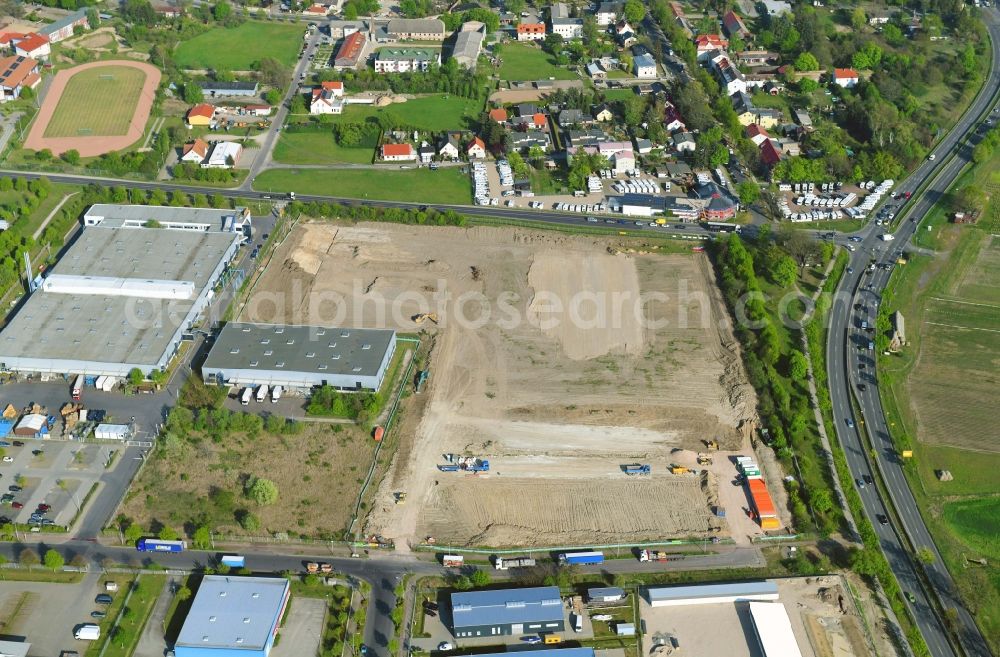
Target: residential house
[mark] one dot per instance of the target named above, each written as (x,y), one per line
(643,146)
(845,77)
(775,7)
(63,28)
(767,117)
(350,52)
(522,141)
(706,43)
(624,34)
(536,121)
(720,206)
(499,115)
(619,154)
(224,155)
(530,31)
(416,29)
(567,28)
(756,57)
(608,12)
(789,147)
(877,17)
(596,71)
(195,152)
(475,149)
(568,117)
(766,82)
(229,89)
(328,98)
(744,108)
(644,66)
(603,113)
(586,137)
(257,110)
(398,153)
(34,46)
(730,78)
(316,11)
(448,149)
(769,153)
(526,109)
(757,134)
(684,142)
(426,153)
(672,119)
(734,26)
(559,10)
(803,119)
(201,114)
(404,60)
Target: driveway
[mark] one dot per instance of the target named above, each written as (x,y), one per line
(151,642)
(301,634)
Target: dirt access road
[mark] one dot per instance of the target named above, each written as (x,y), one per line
(557,358)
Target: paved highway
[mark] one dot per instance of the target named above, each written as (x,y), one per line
(851,370)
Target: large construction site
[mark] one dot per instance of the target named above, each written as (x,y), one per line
(558,359)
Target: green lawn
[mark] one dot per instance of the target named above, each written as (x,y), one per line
(526,62)
(978,523)
(433,113)
(318,148)
(97,102)
(618,94)
(446,185)
(237,48)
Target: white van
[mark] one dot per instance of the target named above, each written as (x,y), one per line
(88,632)
(246,396)
(262,393)
(275,394)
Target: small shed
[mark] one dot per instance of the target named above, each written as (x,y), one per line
(6,426)
(31,425)
(625,629)
(605,594)
(111,432)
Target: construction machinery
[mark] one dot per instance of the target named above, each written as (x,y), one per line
(679,470)
(312,567)
(400,497)
(465,463)
(712,444)
(637,468)
(422,377)
(420,318)
(704,459)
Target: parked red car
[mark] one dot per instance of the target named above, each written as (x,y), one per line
(17,505)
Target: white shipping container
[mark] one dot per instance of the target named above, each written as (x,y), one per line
(109,383)
(99,383)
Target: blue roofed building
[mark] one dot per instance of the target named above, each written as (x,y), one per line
(508,612)
(233,617)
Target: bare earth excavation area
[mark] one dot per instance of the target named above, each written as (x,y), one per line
(556,358)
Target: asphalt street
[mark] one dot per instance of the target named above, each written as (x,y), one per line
(847,351)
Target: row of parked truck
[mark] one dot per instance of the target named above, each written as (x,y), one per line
(260,395)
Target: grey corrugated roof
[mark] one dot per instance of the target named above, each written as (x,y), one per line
(238,613)
(605,592)
(711,590)
(57,25)
(503,606)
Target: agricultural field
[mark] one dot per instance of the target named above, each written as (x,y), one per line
(319,148)
(435,113)
(523,61)
(446,185)
(238,48)
(938,391)
(555,401)
(97,102)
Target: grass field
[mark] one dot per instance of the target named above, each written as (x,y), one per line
(938,391)
(319,148)
(526,62)
(97,102)
(447,185)
(434,113)
(237,48)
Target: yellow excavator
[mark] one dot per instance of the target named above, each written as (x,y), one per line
(422,317)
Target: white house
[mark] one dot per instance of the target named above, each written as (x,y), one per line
(644,66)
(328,99)
(398,153)
(846,77)
(225,155)
(476,149)
(684,142)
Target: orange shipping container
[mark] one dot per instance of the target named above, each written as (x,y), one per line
(378,433)
(770,523)
(761,498)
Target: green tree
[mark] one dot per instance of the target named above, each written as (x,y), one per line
(193,93)
(183,593)
(273,96)
(72,156)
(222,11)
(806,62)
(28,558)
(480,578)
(968,199)
(925,555)
(858,19)
(782,270)
(634,12)
(248,521)
(167,533)
(748,193)
(462,583)
(798,366)
(202,538)
(262,491)
(135,376)
(53,560)
(132,533)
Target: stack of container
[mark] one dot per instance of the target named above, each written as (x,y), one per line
(763,506)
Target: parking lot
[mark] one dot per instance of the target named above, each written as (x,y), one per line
(47,613)
(302,628)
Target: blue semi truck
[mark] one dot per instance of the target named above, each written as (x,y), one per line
(156,545)
(581,558)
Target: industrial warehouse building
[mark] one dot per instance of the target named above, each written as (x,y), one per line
(299,356)
(675,596)
(507,612)
(233,616)
(133,282)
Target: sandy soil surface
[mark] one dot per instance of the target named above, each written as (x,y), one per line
(546,363)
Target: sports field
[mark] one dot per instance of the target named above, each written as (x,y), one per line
(97,102)
(238,48)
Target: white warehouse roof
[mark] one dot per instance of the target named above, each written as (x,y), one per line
(110,286)
(663,596)
(234,613)
(774,629)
